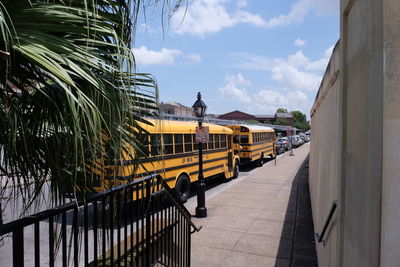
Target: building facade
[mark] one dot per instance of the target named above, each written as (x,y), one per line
(174,108)
(286,118)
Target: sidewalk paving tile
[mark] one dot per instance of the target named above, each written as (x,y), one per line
(277,216)
(270,228)
(264,246)
(207,257)
(239,259)
(217,238)
(256,228)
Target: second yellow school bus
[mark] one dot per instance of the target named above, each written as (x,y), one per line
(253,142)
(173,153)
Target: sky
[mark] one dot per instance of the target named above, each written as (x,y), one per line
(249,55)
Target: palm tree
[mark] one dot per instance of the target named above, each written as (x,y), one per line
(67,80)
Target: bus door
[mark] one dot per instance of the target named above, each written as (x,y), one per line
(230,154)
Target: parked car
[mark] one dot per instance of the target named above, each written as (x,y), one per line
(285,142)
(280,148)
(296,142)
(308,135)
(302,138)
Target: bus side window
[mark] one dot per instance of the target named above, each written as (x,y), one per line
(216,140)
(196,145)
(222,137)
(145,141)
(236,139)
(188,142)
(155,142)
(211,141)
(229,141)
(178,143)
(168,146)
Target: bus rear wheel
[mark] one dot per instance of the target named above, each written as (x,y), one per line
(260,161)
(182,187)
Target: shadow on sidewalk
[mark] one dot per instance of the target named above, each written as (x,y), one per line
(298,220)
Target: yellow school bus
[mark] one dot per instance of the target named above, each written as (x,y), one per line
(173,153)
(253,142)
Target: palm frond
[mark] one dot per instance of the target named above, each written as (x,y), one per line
(67,78)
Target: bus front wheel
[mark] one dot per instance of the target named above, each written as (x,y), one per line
(236,170)
(182,187)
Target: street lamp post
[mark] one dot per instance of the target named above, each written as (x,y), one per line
(201,211)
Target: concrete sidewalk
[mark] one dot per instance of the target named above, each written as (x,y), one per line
(253,221)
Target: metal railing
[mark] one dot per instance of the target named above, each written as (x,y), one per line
(137,224)
(320,237)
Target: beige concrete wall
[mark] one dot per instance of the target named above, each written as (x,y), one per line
(324,159)
(390,223)
(362,168)
(361,177)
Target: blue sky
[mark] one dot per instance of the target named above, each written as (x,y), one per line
(254,55)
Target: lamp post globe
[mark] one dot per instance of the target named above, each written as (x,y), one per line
(199,107)
(201,211)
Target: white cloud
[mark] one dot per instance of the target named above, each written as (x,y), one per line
(265,101)
(268,101)
(298,59)
(204,17)
(231,88)
(247,17)
(150,57)
(165,56)
(296,15)
(146,28)
(252,62)
(294,78)
(318,65)
(299,42)
(196,58)
(241,3)
(301,9)
(328,52)
(296,72)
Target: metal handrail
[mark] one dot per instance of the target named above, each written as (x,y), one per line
(159,209)
(320,238)
(178,204)
(26,221)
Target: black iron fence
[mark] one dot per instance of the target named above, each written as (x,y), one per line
(137,224)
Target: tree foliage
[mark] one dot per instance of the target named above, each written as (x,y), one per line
(300,120)
(67,80)
(282,110)
(281,121)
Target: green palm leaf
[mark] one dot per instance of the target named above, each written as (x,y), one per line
(67,80)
